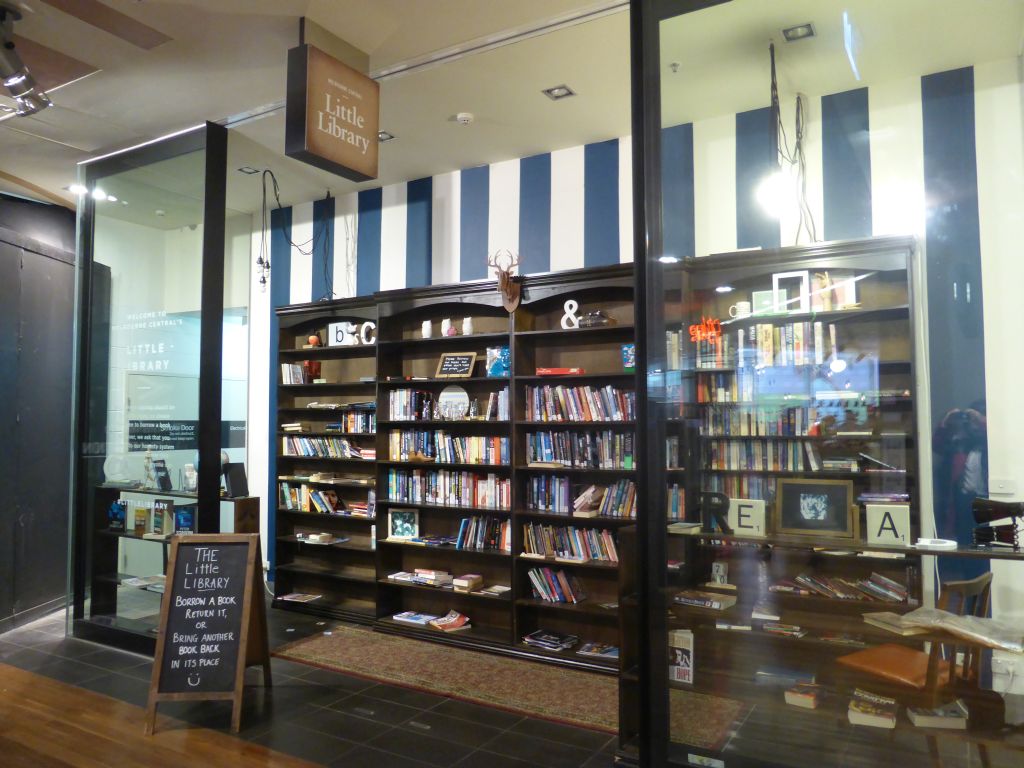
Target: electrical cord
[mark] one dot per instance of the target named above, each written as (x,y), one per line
(306,248)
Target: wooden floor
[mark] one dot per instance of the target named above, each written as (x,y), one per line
(47,724)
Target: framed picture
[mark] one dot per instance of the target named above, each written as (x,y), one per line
(403,523)
(820,508)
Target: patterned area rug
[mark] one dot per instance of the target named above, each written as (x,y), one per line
(530,688)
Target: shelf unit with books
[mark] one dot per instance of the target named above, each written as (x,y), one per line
(574,468)
(443,462)
(790,401)
(325,469)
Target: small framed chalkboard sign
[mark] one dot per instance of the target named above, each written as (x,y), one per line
(213,622)
(455,365)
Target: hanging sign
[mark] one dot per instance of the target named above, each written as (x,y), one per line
(332,115)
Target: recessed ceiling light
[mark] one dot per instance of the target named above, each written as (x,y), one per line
(160,212)
(248,170)
(666,259)
(98,193)
(799,32)
(383,136)
(724,289)
(111,199)
(76,189)
(559,92)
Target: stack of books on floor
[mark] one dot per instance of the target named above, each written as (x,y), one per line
(549,640)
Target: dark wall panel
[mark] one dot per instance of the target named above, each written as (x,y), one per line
(10,257)
(52,225)
(43,399)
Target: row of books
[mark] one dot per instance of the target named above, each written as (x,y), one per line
(768,345)
(741,486)
(751,421)
(354,422)
(738,386)
(876,588)
(758,455)
(587,450)
(304,498)
(453,621)
(582,403)
(441,446)
(569,542)
(294,373)
(484,533)
(420,405)
(555,586)
(449,488)
(550,493)
(325,447)
(549,640)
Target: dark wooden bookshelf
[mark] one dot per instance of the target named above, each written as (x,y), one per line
(351,577)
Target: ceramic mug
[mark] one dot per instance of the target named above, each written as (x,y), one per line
(740,309)
(467,326)
(426,329)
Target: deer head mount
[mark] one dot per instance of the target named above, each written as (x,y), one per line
(509,285)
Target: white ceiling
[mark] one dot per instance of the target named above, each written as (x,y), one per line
(227,58)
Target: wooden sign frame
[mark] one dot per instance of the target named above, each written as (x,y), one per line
(445,355)
(253,646)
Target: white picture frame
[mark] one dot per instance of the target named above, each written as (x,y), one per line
(784,305)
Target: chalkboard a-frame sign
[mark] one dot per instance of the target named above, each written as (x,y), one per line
(213,623)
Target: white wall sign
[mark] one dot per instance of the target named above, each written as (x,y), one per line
(888,524)
(746,517)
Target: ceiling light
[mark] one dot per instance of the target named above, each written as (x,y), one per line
(160,212)
(724,289)
(383,136)
(837,366)
(559,92)
(15,76)
(111,199)
(799,32)
(77,189)
(98,193)
(666,259)
(248,170)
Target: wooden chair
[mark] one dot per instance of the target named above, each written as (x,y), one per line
(950,669)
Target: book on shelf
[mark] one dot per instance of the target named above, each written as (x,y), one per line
(141,582)
(295,373)
(952,715)
(875,588)
(681,526)
(696,599)
(411,617)
(116,514)
(467,582)
(599,651)
(733,627)
(550,640)
(406,576)
(872,710)
(453,621)
(680,655)
(804,695)
(554,495)
(484,533)
(300,597)
(785,677)
(556,371)
(892,622)
(783,630)
(295,426)
(185,520)
(765,611)
(495,590)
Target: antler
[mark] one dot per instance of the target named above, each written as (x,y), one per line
(493,261)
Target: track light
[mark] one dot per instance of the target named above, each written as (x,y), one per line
(18,81)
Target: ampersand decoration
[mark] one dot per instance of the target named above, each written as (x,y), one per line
(570,319)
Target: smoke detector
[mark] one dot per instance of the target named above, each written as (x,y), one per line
(464,118)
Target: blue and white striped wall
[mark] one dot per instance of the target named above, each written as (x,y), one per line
(876,165)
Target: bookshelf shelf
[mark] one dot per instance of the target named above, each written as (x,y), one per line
(340,459)
(577,424)
(443,465)
(413,383)
(550,562)
(318,353)
(446,549)
(478,339)
(554,379)
(562,334)
(444,507)
(335,386)
(567,519)
(578,470)
(322,516)
(327,572)
(448,593)
(446,423)
(326,434)
(585,608)
(348,545)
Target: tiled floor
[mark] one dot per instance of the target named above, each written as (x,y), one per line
(324,717)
